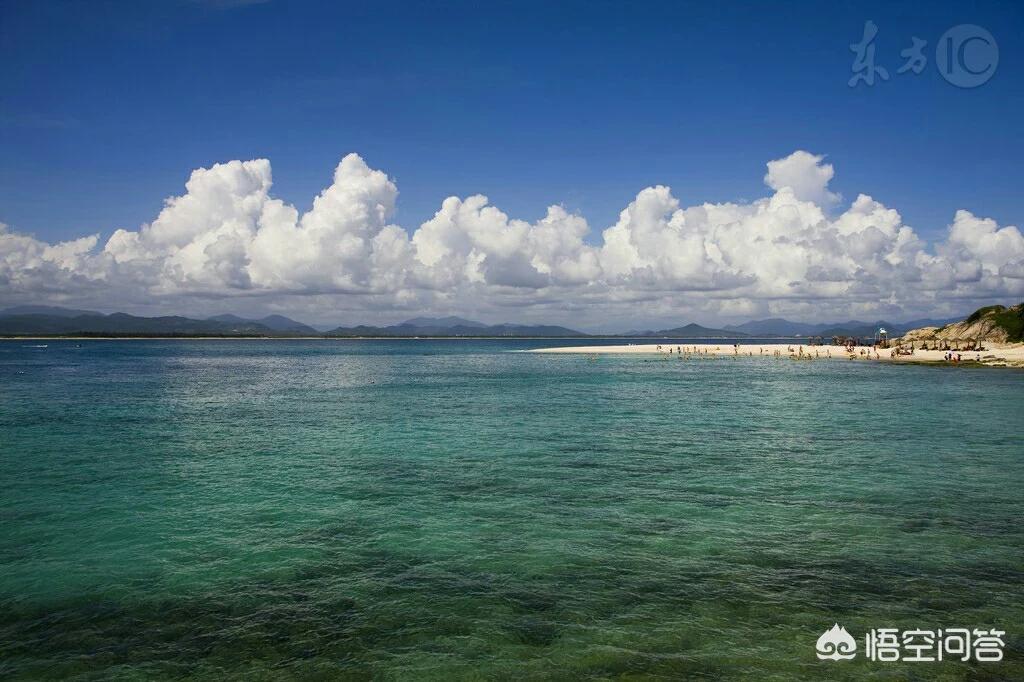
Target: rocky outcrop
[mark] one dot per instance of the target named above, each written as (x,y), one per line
(993,324)
(922,334)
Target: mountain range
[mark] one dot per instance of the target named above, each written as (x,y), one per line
(52,320)
(122,324)
(46,310)
(689,331)
(277,323)
(454,326)
(779,327)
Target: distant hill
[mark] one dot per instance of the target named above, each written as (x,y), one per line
(773,327)
(50,321)
(868,329)
(927,322)
(229,319)
(278,323)
(532,330)
(45,310)
(693,331)
(785,328)
(281,323)
(442,322)
(453,326)
(857,328)
(122,324)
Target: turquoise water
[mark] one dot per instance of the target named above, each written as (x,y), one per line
(450,510)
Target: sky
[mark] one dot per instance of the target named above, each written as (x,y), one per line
(648,127)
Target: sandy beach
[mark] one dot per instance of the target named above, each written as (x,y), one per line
(998,355)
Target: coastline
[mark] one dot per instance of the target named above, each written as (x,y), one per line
(181,337)
(288,338)
(996,355)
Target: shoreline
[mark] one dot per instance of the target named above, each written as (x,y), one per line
(994,355)
(288,338)
(781,339)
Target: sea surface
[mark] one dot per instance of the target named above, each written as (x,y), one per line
(418,509)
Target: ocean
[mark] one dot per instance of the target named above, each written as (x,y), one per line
(424,509)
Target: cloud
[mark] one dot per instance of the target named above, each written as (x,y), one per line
(790,252)
(805,174)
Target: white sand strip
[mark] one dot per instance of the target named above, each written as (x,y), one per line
(994,354)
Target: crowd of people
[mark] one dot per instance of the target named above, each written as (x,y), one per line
(798,352)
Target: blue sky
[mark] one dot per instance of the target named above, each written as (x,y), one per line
(106,107)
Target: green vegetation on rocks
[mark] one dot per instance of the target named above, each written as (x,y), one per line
(1010,320)
(994,323)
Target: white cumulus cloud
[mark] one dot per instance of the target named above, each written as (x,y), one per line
(794,251)
(805,174)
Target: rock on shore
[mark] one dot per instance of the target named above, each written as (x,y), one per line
(993,324)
